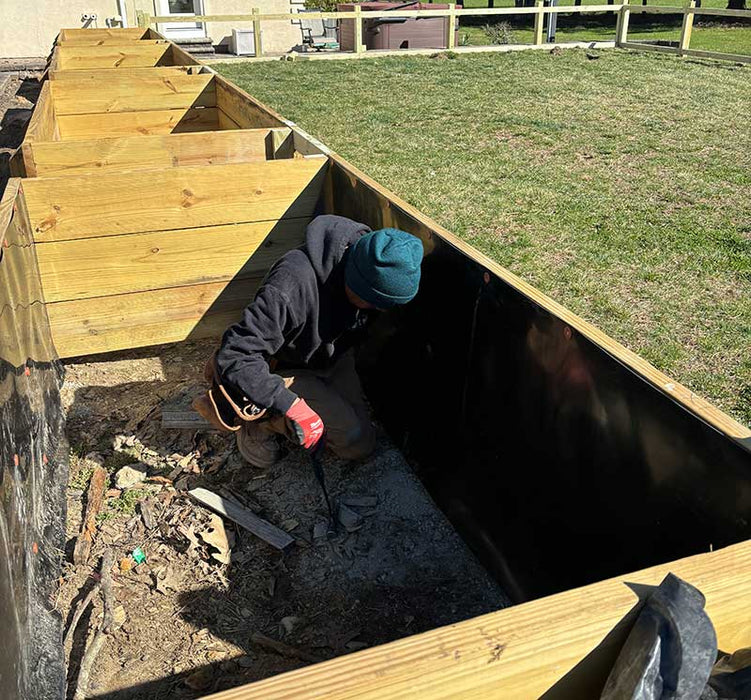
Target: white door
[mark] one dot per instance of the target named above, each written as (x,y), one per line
(181,8)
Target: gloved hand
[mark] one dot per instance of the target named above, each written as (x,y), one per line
(306,422)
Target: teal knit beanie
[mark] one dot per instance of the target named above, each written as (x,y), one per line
(383,267)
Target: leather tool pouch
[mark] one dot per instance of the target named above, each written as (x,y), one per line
(220,408)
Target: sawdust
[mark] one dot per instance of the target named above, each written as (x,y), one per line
(191,618)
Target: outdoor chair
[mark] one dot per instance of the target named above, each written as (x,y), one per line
(319,34)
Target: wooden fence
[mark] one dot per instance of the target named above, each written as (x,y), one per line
(623,10)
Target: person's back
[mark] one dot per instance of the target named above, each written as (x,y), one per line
(287,366)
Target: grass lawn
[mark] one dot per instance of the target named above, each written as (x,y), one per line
(705,36)
(619,186)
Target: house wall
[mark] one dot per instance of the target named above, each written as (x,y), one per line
(29,27)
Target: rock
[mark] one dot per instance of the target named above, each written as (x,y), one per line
(127,477)
(95,457)
(200,679)
(289,623)
(244,661)
(319,530)
(350,520)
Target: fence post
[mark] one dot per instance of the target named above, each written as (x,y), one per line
(539,23)
(358,30)
(688,25)
(621,25)
(143,19)
(451,28)
(257,38)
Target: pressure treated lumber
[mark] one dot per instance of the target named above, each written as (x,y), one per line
(243,109)
(97,267)
(24,329)
(140,53)
(103,41)
(85,36)
(269,533)
(133,93)
(523,651)
(108,204)
(158,121)
(140,319)
(42,125)
(162,151)
(98,74)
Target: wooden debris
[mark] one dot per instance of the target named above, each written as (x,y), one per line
(109,624)
(77,614)
(93,506)
(184,420)
(359,501)
(245,517)
(147,514)
(262,640)
(215,536)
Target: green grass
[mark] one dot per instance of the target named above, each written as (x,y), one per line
(706,36)
(619,186)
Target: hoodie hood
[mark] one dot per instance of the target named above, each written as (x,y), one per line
(326,240)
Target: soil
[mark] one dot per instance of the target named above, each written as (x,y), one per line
(19,91)
(190,617)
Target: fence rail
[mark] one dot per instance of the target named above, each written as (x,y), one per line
(623,11)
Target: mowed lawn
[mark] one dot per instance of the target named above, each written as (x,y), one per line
(620,186)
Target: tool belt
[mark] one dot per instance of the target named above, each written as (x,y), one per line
(219,407)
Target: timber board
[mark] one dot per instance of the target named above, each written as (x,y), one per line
(161,151)
(562,646)
(133,94)
(243,109)
(98,267)
(161,121)
(124,321)
(98,74)
(24,328)
(124,55)
(108,204)
(78,35)
(43,123)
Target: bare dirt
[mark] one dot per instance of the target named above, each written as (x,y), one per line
(192,620)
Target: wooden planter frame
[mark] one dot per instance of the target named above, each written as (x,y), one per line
(181,191)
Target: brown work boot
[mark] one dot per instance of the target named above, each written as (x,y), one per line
(257,447)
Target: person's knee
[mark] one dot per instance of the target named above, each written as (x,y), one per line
(356,443)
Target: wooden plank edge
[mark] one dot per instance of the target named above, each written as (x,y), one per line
(271,534)
(83,338)
(561,646)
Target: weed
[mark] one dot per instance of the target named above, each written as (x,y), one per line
(499,33)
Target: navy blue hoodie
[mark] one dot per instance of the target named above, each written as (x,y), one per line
(300,316)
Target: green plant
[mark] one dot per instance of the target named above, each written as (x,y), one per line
(125,504)
(322,5)
(463,39)
(499,33)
